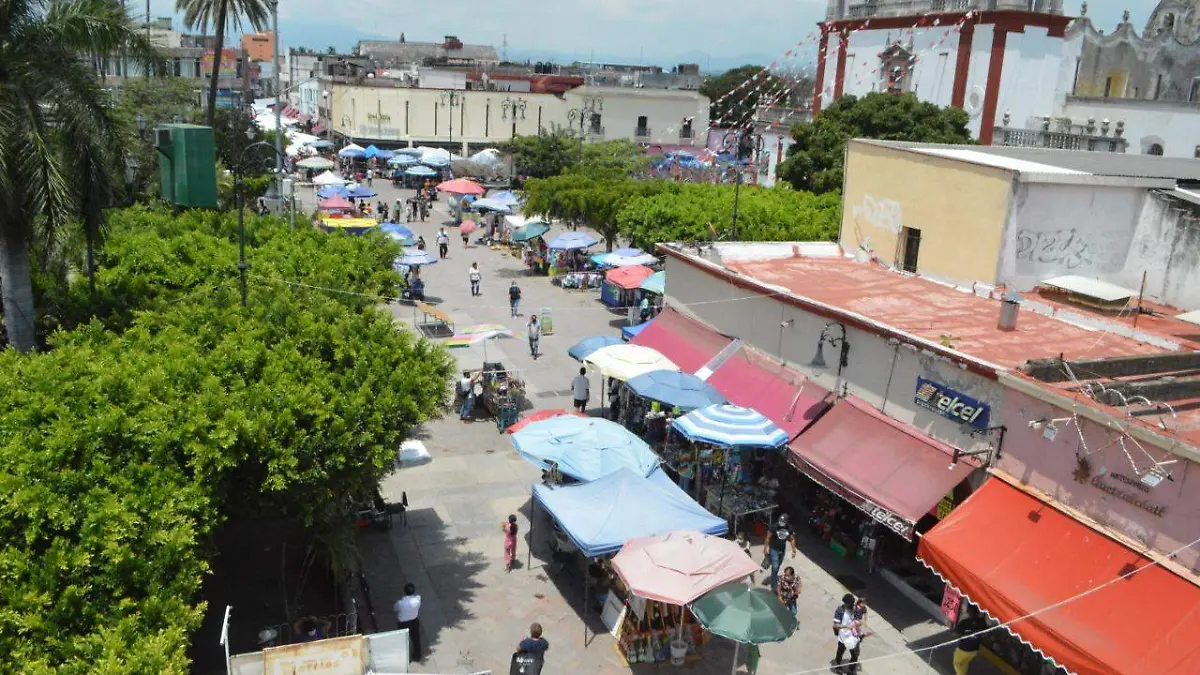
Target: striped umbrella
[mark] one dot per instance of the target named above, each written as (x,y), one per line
(732,426)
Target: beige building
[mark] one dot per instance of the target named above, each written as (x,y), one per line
(378,113)
(985,216)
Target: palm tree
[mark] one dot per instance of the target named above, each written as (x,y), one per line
(220,14)
(60,153)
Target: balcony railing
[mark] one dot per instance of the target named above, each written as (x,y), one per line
(596,131)
(687,132)
(641,132)
(1058,140)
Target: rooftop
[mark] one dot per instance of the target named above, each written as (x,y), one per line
(1063,164)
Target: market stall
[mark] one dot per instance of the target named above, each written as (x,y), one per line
(660,395)
(722,450)
(583,448)
(659,577)
(750,616)
(567,253)
(622,362)
(622,285)
(347,225)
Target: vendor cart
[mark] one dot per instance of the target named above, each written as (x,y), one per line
(503,394)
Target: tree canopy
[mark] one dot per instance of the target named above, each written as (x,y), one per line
(815,159)
(745,87)
(138,432)
(587,200)
(542,155)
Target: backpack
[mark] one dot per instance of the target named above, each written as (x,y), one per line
(514,293)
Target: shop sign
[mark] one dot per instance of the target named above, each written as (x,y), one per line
(943,400)
(887,518)
(951,602)
(333,656)
(1126,496)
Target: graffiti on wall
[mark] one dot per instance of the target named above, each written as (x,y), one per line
(1071,250)
(882,214)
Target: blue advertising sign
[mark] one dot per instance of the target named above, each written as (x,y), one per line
(950,404)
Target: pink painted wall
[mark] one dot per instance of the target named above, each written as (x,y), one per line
(1050,466)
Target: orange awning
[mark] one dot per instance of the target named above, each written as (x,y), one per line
(1013,555)
(628,277)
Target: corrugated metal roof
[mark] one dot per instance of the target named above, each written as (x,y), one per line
(976,157)
(1092,288)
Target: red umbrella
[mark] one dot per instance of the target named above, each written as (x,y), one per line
(335,202)
(468,226)
(539,416)
(461,186)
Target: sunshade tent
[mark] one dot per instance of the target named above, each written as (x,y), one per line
(678,567)
(572,240)
(400,233)
(580,350)
(531,230)
(320,143)
(331,191)
(468,226)
(489,204)
(435,161)
(348,225)
(584,448)
(744,615)
(413,257)
(730,426)
(420,171)
(402,160)
(371,152)
(361,192)
(655,283)
(676,389)
(316,163)
(352,150)
(329,178)
(630,332)
(625,361)
(461,186)
(540,416)
(479,333)
(333,203)
(602,515)
(628,278)
(507,197)
(615,259)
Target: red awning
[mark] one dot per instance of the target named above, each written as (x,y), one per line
(690,344)
(752,380)
(1013,555)
(892,471)
(628,277)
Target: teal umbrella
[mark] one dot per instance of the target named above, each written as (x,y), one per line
(744,614)
(532,230)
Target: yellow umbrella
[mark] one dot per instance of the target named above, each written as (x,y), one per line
(625,361)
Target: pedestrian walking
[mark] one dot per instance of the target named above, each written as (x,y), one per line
(535,335)
(370,177)
(514,298)
(869,543)
(474,275)
(968,643)
(408,609)
(848,631)
(535,644)
(509,527)
(424,210)
(443,242)
(412,204)
(789,589)
(466,390)
(466,237)
(778,538)
(581,389)
(420,243)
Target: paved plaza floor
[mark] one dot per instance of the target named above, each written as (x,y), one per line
(473,611)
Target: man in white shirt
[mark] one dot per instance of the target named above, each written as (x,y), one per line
(475,277)
(407,609)
(370,176)
(581,388)
(535,335)
(443,243)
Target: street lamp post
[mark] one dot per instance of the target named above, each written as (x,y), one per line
(735,139)
(239,167)
(279,156)
(513,106)
(452,100)
(589,107)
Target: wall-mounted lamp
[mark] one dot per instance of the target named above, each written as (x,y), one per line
(993,452)
(1049,427)
(843,346)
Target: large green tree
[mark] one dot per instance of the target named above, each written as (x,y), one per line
(815,159)
(542,155)
(735,93)
(124,445)
(60,150)
(586,200)
(700,212)
(221,15)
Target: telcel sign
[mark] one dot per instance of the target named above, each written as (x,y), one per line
(950,404)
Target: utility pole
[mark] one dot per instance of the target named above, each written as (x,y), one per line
(278,104)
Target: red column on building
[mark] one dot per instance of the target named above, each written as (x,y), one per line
(962,65)
(821,53)
(991,96)
(840,76)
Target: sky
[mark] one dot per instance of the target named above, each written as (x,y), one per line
(663,32)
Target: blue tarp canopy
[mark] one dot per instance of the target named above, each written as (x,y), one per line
(630,332)
(602,515)
(582,349)
(681,390)
(584,448)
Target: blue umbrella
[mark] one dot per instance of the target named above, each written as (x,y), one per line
(371,151)
(435,161)
(402,160)
(570,240)
(491,204)
(731,426)
(507,197)
(415,258)
(351,151)
(584,448)
(580,350)
(361,192)
(412,152)
(628,252)
(333,191)
(321,144)
(400,233)
(655,283)
(421,171)
(676,389)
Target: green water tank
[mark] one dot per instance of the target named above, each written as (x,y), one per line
(187,165)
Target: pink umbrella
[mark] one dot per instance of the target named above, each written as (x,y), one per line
(334,202)
(678,567)
(468,226)
(461,186)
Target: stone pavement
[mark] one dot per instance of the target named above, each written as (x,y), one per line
(473,612)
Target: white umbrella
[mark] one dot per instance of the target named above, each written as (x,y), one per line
(316,163)
(329,178)
(625,361)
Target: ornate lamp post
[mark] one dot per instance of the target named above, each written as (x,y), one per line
(512,107)
(452,100)
(239,170)
(589,108)
(734,140)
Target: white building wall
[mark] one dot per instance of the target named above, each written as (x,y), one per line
(307,97)
(664,110)
(431,78)
(1174,126)
(869,374)
(1166,247)
(977,76)
(1030,78)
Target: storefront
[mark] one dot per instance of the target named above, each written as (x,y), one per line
(689,343)
(898,480)
(1083,601)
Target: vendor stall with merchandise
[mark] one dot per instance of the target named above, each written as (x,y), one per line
(622,285)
